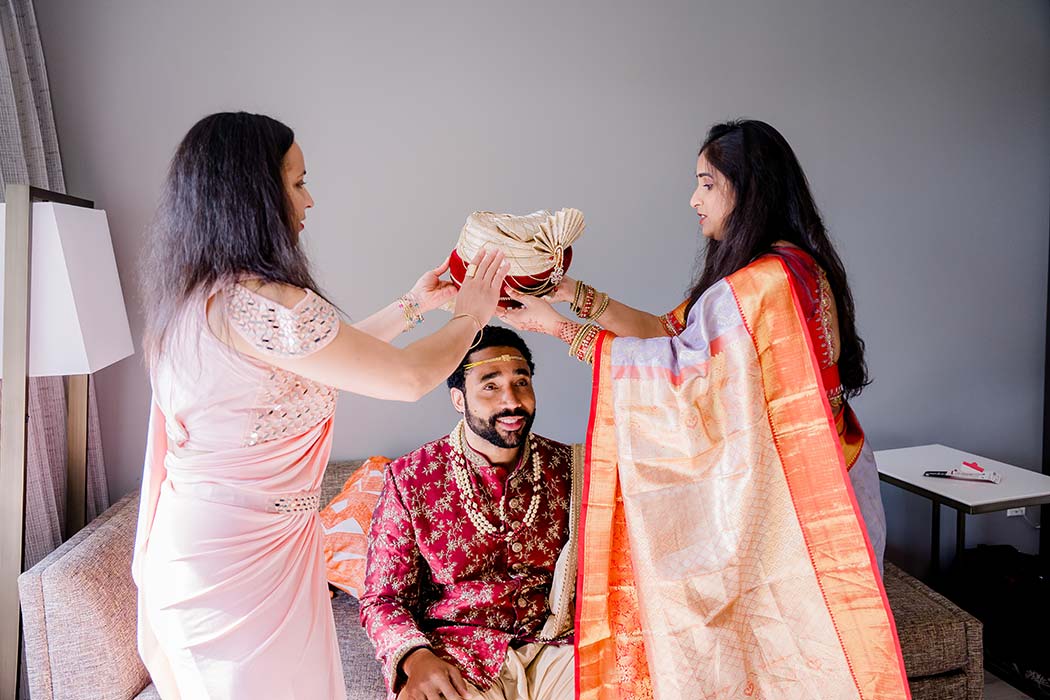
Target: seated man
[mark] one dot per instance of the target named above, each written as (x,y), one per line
(471,571)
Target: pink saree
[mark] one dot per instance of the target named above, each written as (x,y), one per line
(229,560)
(722,552)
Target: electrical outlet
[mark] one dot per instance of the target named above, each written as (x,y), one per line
(1014,512)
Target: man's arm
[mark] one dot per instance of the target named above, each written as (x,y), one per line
(392,583)
(392,591)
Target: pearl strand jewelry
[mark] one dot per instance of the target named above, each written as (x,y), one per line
(470,497)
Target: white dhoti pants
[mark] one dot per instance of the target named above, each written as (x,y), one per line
(533,672)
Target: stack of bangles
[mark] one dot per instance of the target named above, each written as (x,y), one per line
(410,308)
(582,345)
(588,303)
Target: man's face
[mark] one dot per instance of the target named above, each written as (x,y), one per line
(497,401)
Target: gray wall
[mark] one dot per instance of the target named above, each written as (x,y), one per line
(922,126)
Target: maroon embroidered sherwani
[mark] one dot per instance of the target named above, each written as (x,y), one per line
(434,580)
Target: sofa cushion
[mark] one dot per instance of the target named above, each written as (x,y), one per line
(346,521)
(335,475)
(951,686)
(932,630)
(80,630)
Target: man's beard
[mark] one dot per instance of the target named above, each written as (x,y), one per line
(488,430)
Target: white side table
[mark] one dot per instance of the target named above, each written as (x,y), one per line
(904,467)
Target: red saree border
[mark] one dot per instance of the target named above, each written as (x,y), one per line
(609,637)
(804,435)
(589,650)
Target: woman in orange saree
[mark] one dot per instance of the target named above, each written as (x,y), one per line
(731,534)
(246,358)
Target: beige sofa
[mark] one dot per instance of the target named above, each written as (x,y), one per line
(79,607)
(942,644)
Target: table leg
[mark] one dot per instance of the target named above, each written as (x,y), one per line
(935,541)
(960,535)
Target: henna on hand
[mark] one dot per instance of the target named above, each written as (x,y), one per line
(532,325)
(567,330)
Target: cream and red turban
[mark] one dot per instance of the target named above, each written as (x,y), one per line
(537,246)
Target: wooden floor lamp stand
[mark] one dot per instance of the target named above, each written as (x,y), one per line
(14,419)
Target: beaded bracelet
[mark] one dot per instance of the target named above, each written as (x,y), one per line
(588,302)
(410,308)
(671,325)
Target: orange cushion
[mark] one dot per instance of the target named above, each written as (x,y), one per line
(346,521)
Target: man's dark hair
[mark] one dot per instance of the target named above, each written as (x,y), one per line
(492,337)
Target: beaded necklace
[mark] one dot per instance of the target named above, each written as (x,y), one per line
(470,497)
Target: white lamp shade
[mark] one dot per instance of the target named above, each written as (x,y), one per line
(77,320)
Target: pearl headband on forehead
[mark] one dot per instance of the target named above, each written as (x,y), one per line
(499,358)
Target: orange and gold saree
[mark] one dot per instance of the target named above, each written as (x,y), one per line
(722,552)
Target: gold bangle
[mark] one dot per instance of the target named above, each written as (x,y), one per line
(472,317)
(577,341)
(589,345)
(582,346)
(577,297)
(602,306)
(480,332)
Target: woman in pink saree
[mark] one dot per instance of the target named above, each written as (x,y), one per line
(245,358)
(732,531)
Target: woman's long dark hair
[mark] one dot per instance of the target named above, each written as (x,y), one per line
(224,215)
(772,202)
